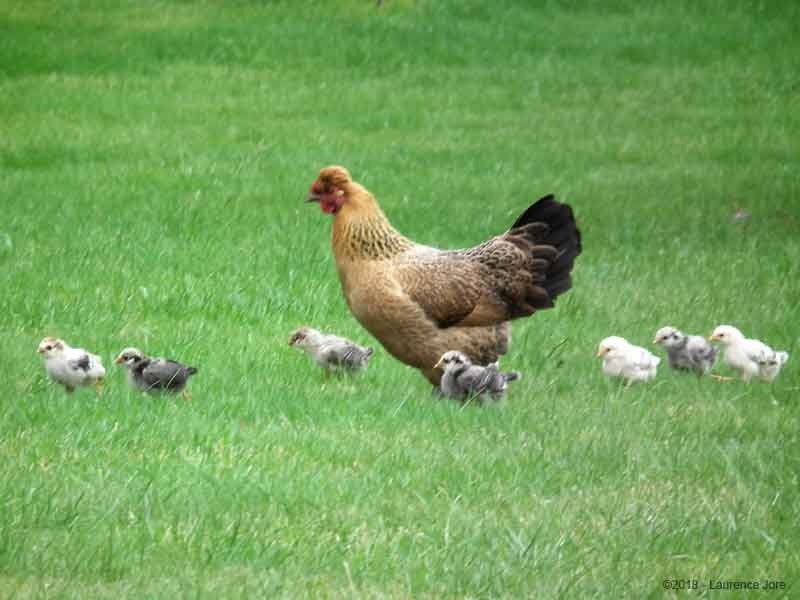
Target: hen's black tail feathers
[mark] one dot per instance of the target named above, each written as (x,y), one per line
(550,223)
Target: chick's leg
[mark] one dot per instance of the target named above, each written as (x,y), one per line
(98,385)
(186,395)
(716,377)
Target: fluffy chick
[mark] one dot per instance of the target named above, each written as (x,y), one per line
(71,367)
(331,352)
(155,375)
(462,380)
(686,352)
(622,359)
(749,357)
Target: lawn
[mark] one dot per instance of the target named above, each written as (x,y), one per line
(154,159)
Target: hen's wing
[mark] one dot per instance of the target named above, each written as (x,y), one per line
(510,276)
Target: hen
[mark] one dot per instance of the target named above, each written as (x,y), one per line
(421,302)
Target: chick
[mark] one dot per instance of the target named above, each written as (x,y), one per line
(749,357)
(622,359)
(69,366)
(155,375)
(331,352)
(462,380)
(686,352)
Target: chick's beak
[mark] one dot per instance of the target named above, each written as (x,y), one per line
(312,197)
(438,364)
(656,340)
(40,350)
(119,360)
(713,338)
(602,352)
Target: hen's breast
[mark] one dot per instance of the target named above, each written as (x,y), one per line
(379,303)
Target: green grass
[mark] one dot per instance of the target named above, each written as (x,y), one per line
(154,158)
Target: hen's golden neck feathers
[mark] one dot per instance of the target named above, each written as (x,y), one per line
(361,230)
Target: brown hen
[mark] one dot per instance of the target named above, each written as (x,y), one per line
(420,302)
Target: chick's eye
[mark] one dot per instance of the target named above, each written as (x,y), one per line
(48,347)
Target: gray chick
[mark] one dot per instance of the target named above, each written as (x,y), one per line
(462,380)
(155,375)
(331,352)
(686,352)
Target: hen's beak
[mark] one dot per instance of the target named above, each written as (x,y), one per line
(312,197)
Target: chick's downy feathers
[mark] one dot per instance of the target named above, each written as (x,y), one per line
(331,352)
(71,367)
(686,352)
(623,359)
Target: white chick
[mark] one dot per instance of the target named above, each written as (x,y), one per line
(71,366)
(622,359)
(331,352)
(686,352)
(749,357)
